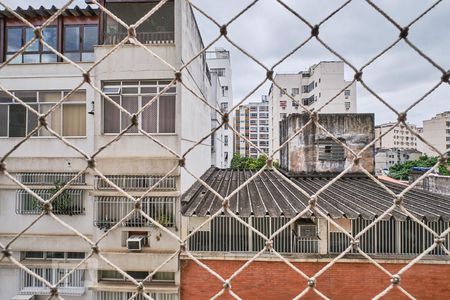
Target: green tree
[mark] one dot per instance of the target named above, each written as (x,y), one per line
(401,171)
(247,163)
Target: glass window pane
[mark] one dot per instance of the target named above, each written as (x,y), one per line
(167,114)
(74,119)
(130,103)
(78,96)
(16,60)
(14,39)
(71,38)
(49,96)
(110,275)
(53,120)
(75,255)
(3,120)
(32,119)
(149,117)
(55,255)
(17,120)
(111,116)
(73,56)
(26,96)
(29,35)
(90,38)
(87,56)
(5,98)
(34,254)
(50,37)
(31,58)
(49,58)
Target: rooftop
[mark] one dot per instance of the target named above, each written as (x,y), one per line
(271,195)
(32,12)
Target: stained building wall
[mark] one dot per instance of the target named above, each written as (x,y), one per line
(304,154)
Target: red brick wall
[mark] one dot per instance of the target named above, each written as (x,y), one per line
(276,280)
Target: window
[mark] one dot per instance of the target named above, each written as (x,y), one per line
(17,37)
(347,94)
(48,255)
(219,71)
(226,156)
(79,42)
(224,106)
(157,29)
(330,150)
(283,92)
(112,275)
(69,119)
(295,91)
(158,118)
(225,140)
(347,105)
(224,91)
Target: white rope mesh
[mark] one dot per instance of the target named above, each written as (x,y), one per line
(180,158)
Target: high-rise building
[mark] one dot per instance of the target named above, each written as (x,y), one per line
(399,137)
(252,121)
(222,140)
(313,89)
(436,131)
(130,77)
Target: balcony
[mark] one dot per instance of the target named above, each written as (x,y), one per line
(73,285)
(106,295)
(70,202)
(155,38)
(136,182)
(110,210)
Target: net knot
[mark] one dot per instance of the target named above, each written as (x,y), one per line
(227,285)
(38,33)
(315,31)
(312,201)
(182,162)
(225,118)
(358,76)
(2,167)
(132,32)
(87,77)
(95,249)
(398,200)
(6,253)
(269,75)
(178,76)
(402,117)
(404,32)
(42,121)
(395,280)
(446,77)
(311,282)
(91,163)
(54,291)
(47,207)
(223,30)
(134,120)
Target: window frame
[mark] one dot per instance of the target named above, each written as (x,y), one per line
(160,84)
(39,52)
(38,103)
(80,50)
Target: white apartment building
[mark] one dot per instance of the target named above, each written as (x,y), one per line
(312,88)
(130,77)
(222,141)
(437,132)
(252,121)
(399,138)
(386,158)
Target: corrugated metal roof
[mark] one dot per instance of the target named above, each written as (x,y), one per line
(46,12)
(270,195)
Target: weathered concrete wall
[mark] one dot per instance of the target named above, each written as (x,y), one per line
(301,154)
(433,183)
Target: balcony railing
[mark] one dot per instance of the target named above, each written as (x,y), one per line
(226,234)
(70,202)
(162,37)
(72,285)
(41,178)
(110,210)
(106,295)
(136,182)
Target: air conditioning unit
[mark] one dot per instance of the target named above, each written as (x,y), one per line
(307,231)
(136,242)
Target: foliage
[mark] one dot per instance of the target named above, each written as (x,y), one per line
(401,171)
(63,204)
(248,163)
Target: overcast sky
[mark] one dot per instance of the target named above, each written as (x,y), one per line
(268,31)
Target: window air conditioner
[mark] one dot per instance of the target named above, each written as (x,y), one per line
(136,242)
(307,231)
